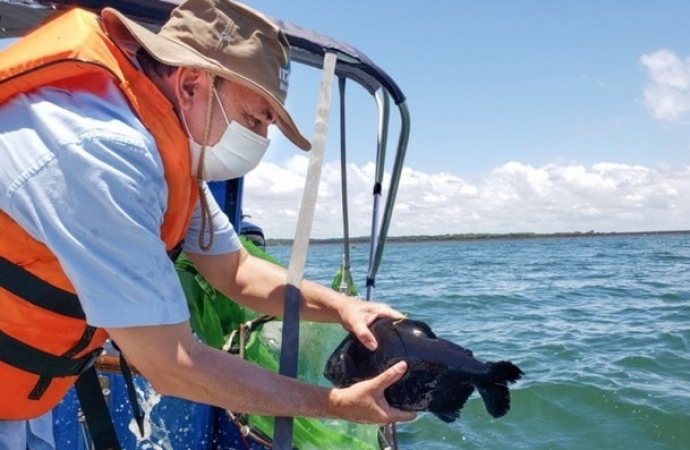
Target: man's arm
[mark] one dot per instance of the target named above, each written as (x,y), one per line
(176,364)
(259,285)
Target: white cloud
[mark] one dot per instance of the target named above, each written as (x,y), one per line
(514,197)
(667,94)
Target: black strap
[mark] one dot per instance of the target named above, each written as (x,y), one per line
(33,360)
(96,412)
(84,341)
(174,252)
(289,352)
(34,290)
(132,394)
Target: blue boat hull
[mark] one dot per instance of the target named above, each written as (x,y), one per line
(171,423)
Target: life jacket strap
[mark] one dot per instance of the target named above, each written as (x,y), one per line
(36,291)
(174,252)
(96,412)
(45,379)
(33,360)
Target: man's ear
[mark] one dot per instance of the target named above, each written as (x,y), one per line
(189,84)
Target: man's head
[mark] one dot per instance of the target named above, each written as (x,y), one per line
(225,39)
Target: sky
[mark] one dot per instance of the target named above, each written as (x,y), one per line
(530,116)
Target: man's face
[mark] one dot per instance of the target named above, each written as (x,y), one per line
(240,104)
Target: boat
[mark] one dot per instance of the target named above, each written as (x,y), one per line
(176,423)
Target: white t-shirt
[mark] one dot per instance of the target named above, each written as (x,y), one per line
(81,174)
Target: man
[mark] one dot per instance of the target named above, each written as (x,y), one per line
(107,134)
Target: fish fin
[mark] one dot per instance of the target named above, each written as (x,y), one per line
(496,399)
(448,416)
(495,391)
(462,394)
(447,407)
(505,372)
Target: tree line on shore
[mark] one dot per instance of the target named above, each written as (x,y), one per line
(475,236)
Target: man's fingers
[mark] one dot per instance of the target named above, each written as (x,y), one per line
(398,415)
(366,337)
(365,402)
(387,378)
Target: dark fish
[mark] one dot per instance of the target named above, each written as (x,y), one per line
(441,375)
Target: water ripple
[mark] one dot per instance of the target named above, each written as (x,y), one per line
(600,326)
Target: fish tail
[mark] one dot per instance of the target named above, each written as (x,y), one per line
(504,372)
(494,388)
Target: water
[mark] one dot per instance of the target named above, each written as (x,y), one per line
(599,325)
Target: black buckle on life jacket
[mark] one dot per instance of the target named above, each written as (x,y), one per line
(88,360)
(70,367)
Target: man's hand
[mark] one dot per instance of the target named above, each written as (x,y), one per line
(178,365)
(364,402)
(357,315)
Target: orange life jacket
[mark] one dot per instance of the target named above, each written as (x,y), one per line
(45,341)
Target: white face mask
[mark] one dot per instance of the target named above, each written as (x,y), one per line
(238,151)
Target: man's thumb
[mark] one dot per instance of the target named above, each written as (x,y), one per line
(392,374)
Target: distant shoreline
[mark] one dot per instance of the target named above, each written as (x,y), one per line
(477,236)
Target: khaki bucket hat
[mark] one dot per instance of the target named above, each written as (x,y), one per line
(225,38)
